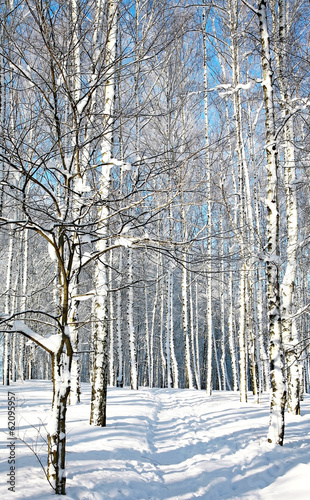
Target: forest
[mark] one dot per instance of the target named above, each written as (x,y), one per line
(154,207)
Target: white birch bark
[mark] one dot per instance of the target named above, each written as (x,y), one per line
(289,329)
(164,358)
(75,390)
(57,425)
(209,221)
(7,310)
(172,365)
(188,347)
(120,376)
(231,333)
(234,222)
(255,331)
(252,344)
(188,351)
(168,331)
(242,336)
(150,354)
(194,334)
(217,363)
(23,303)
(197,354)
(111,325)
(277,404)
(262,332)
(131,328)
(16,291)
(152,334)
(99,382)
(222,308)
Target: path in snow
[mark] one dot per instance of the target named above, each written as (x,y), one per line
(162,444)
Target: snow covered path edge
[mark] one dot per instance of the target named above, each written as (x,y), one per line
(160,444)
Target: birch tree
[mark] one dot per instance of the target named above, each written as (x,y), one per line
(289,328)
(209,207)
(99,385)
(277,405)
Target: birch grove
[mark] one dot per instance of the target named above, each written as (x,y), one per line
(154,209)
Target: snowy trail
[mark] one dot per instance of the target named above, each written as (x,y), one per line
(162,444)
(194,455)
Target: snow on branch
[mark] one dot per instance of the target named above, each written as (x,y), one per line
(229,89)
(84,296)
(50,343)
(119,163)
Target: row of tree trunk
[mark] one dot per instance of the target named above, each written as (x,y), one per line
(137,245)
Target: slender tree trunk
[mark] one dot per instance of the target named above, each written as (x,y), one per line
(61,366)
(23,303)
(152,334)
(209,221)
(231,333)
(172,365)
(120,377)
(75,390)
(197,326)
(166,375)
(278,394)
(100,359)
(289,330)
(100,365)
(194,335)
(131,328)
(6,346)
(222,309)
(111,326)
(187,342)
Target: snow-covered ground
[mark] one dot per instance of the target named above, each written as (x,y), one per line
(160,444)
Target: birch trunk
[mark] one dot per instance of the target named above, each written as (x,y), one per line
(152,336)
(131,328)
(188,350)
(100,359)
(23,303)
(149,341)
(168,331)
(6,341)
(172,365)
(75,387)
(244,309)
(262,333)
(61,366)
(15,305)
(278,393)
(194,335)
(231,330)
(197,354)
(75,390)
(164,357)
(289,330)
(99,382)
(111,326)
(120,379)
(209,220)
(222,308)
(188,347)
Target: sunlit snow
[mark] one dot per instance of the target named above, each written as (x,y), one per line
(161,444)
